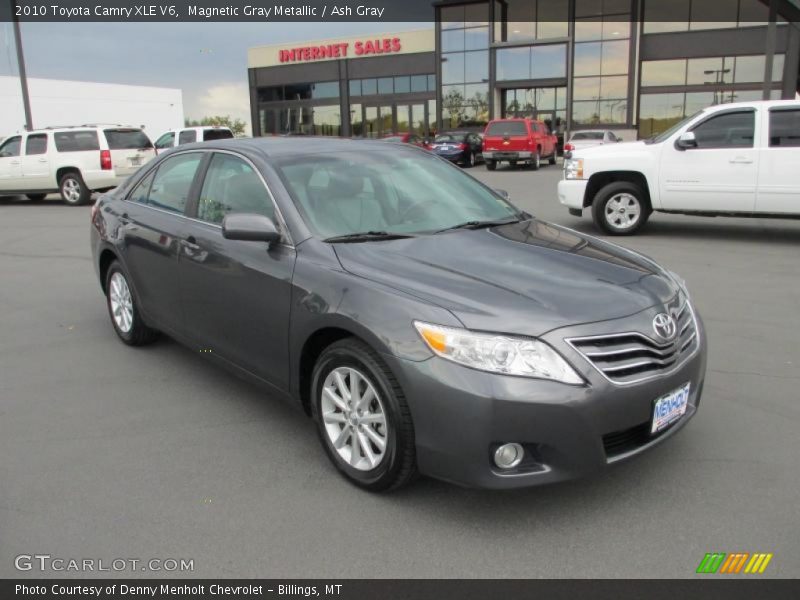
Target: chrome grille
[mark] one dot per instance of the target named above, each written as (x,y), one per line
(631,357)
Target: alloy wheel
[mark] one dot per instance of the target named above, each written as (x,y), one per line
(71,189)
(354,418)
(623,211)
(119,296)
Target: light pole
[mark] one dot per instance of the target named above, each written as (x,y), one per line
(23,78)
(719,77)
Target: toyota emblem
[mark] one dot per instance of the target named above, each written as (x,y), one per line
(664,326)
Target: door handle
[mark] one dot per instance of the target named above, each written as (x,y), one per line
(740,160)
(14,162)
(124,219)
(190,243)
(42,160)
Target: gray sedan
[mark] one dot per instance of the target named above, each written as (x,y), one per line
(425,323)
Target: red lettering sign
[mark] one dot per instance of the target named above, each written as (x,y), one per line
(362,48)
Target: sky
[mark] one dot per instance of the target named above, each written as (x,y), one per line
(208,61)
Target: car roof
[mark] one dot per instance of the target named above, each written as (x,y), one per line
(199,128)
(273,146)
(92,126)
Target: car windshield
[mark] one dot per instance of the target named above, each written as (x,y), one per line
(506,128)
(127,139)
(588,135)
(403,192)
(449,137)
(657,139)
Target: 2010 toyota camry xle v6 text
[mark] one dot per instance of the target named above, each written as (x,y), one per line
(425,323)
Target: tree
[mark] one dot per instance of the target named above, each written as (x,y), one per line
(235,125)
(453,104)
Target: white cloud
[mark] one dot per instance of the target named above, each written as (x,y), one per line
(232,98)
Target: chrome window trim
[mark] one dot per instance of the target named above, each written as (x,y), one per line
(675,367)
(282,222)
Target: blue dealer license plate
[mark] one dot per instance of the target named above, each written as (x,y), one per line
(669,408)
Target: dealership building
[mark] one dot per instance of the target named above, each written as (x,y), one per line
(638,65)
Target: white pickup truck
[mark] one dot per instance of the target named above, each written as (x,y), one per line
(740,159)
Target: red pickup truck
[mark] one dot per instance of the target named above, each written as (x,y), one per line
(518,141)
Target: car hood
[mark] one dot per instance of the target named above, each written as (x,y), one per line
(526,278)
(606,149)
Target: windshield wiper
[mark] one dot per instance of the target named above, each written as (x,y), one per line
(367,236)
(480,224)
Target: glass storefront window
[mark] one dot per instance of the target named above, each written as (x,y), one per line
(452,16)
(369,87)
(385,85)
(614,58)
(709,70)
(476,66)
(714,15)
(355,87)
(476,39)
(513,63)
(749,69)
(523,20)
(356,124)
(664,72)
(700,15)
(777,67)
(452,40)
(432,116)
(453,68)
(328,89)
(548,61)
(418,119)
(419,83)
(658,15)
(591,8)
(739,69)
(402,85)
(587,58)
(476,14)
(371,122)
(431,83)
(599,111)
(586,88)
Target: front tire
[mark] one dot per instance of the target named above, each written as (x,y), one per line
(620,208)
(552,159)
(73,189)
(491,165)
(470,161)
(125,316)
(362,417)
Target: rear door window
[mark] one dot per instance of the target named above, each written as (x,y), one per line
(173,182)
(187,136)
(76,141)
(165,141)
(506,128)
(127,139)
(36,144)
(217,134)
(784,128)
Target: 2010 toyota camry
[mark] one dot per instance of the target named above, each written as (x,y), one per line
(425,323)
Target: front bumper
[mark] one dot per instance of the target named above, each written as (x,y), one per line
(571,192)
(461,415)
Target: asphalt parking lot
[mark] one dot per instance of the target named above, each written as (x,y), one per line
(108,451)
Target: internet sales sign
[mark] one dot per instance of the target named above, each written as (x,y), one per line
(361,48)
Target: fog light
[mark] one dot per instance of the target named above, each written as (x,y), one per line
(508,456)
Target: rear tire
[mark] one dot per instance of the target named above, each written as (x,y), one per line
(620,208)
(73,189)
(470,162)
(36,197)
(491,165)
(552,159)
(378,454)
(536,161)
(123,310)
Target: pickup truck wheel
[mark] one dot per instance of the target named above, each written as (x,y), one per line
(536,161)
(491,165)
(73,190)
(620,208)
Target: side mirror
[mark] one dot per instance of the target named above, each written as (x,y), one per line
(503,193)
(686,141)
(250,228)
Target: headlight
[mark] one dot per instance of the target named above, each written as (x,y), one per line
(573,168)
(497,353)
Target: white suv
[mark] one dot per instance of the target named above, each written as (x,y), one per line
(736,159)
(189,135)
(74,161)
